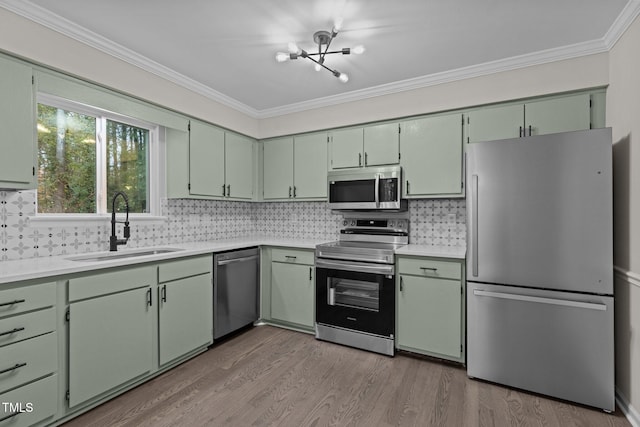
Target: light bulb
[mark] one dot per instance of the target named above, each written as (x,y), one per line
(337,25)
(293,48)
(358,50)
(281,56)
(317,67)
(343,77)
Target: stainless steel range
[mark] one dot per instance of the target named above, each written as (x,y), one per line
(355,284)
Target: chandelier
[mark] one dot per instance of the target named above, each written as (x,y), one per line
(323,39)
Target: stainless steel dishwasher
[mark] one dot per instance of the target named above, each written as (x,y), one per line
(235,290)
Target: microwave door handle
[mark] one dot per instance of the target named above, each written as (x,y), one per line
(377,190)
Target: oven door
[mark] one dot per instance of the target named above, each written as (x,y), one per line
(356,296)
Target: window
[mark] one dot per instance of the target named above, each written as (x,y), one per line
(85,155)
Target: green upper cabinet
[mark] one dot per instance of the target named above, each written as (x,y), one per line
(374,145)
(564,114)
(381,144)
(491,123)
(310,166)
(296,167)
(278,168)
(17,112)
(555,114)
(431,156)
(220,163)
(346,148)
(238,166)
(206,160)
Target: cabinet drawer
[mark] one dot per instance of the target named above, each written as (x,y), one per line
(430,267)
(28,360)
(292,256)
(31,404)
(27,298)
(110,282)
(173,270)
(18,328)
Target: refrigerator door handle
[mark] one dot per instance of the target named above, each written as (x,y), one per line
(540,300)
(474,225)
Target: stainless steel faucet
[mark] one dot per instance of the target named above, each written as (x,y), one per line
(113,240)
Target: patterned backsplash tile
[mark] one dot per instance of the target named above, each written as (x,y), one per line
(436,222)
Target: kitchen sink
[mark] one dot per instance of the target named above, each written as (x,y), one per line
(107,256)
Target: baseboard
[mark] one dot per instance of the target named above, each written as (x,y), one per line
(629,411)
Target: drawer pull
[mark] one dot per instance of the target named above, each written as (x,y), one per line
(290,257)
(432,269)
(13,331)
(18,301)
(10,416)
(13,368)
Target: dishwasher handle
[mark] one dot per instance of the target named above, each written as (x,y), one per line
(234,260)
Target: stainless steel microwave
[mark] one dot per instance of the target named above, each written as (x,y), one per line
(366,189)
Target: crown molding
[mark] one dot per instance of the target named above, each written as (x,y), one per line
(59,24)
(76,32)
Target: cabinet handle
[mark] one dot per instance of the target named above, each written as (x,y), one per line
(224,190)
(407,186)
(12,331)
(359,159)
(13,368)
(529,130)
(294,191)
(163,293)
(17,301)
(228,190)
(520,132)
(366,157)
(10,416)
(149,298)
(290,257)
(289,191)
(310,275)
(432,269)
(401,283)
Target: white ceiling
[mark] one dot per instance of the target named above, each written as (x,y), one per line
(226,49)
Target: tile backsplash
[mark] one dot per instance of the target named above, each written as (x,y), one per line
(436,222)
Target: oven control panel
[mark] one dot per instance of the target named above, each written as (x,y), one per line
(397,225)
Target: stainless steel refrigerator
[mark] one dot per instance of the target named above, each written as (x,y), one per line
(540,265)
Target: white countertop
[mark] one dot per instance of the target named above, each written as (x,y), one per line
(43,267)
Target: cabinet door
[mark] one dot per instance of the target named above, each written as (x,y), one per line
(431,155)
(292,293)
(310,166)
(381,144)
(430,315)
(206,160)
(238,166)
(558,115)
(17,139)
(278,168)
(110,342)
(492,123)
(186,316)
(346,148)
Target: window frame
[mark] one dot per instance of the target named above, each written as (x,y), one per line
(155,162)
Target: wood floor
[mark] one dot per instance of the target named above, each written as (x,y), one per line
(270,376)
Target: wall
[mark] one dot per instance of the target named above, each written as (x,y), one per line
(623,115)
(205,220)
(561,76)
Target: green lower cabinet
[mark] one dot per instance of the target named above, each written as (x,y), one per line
(185,316)
(30,404)
(430,315)
(110,342)
(292,293)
